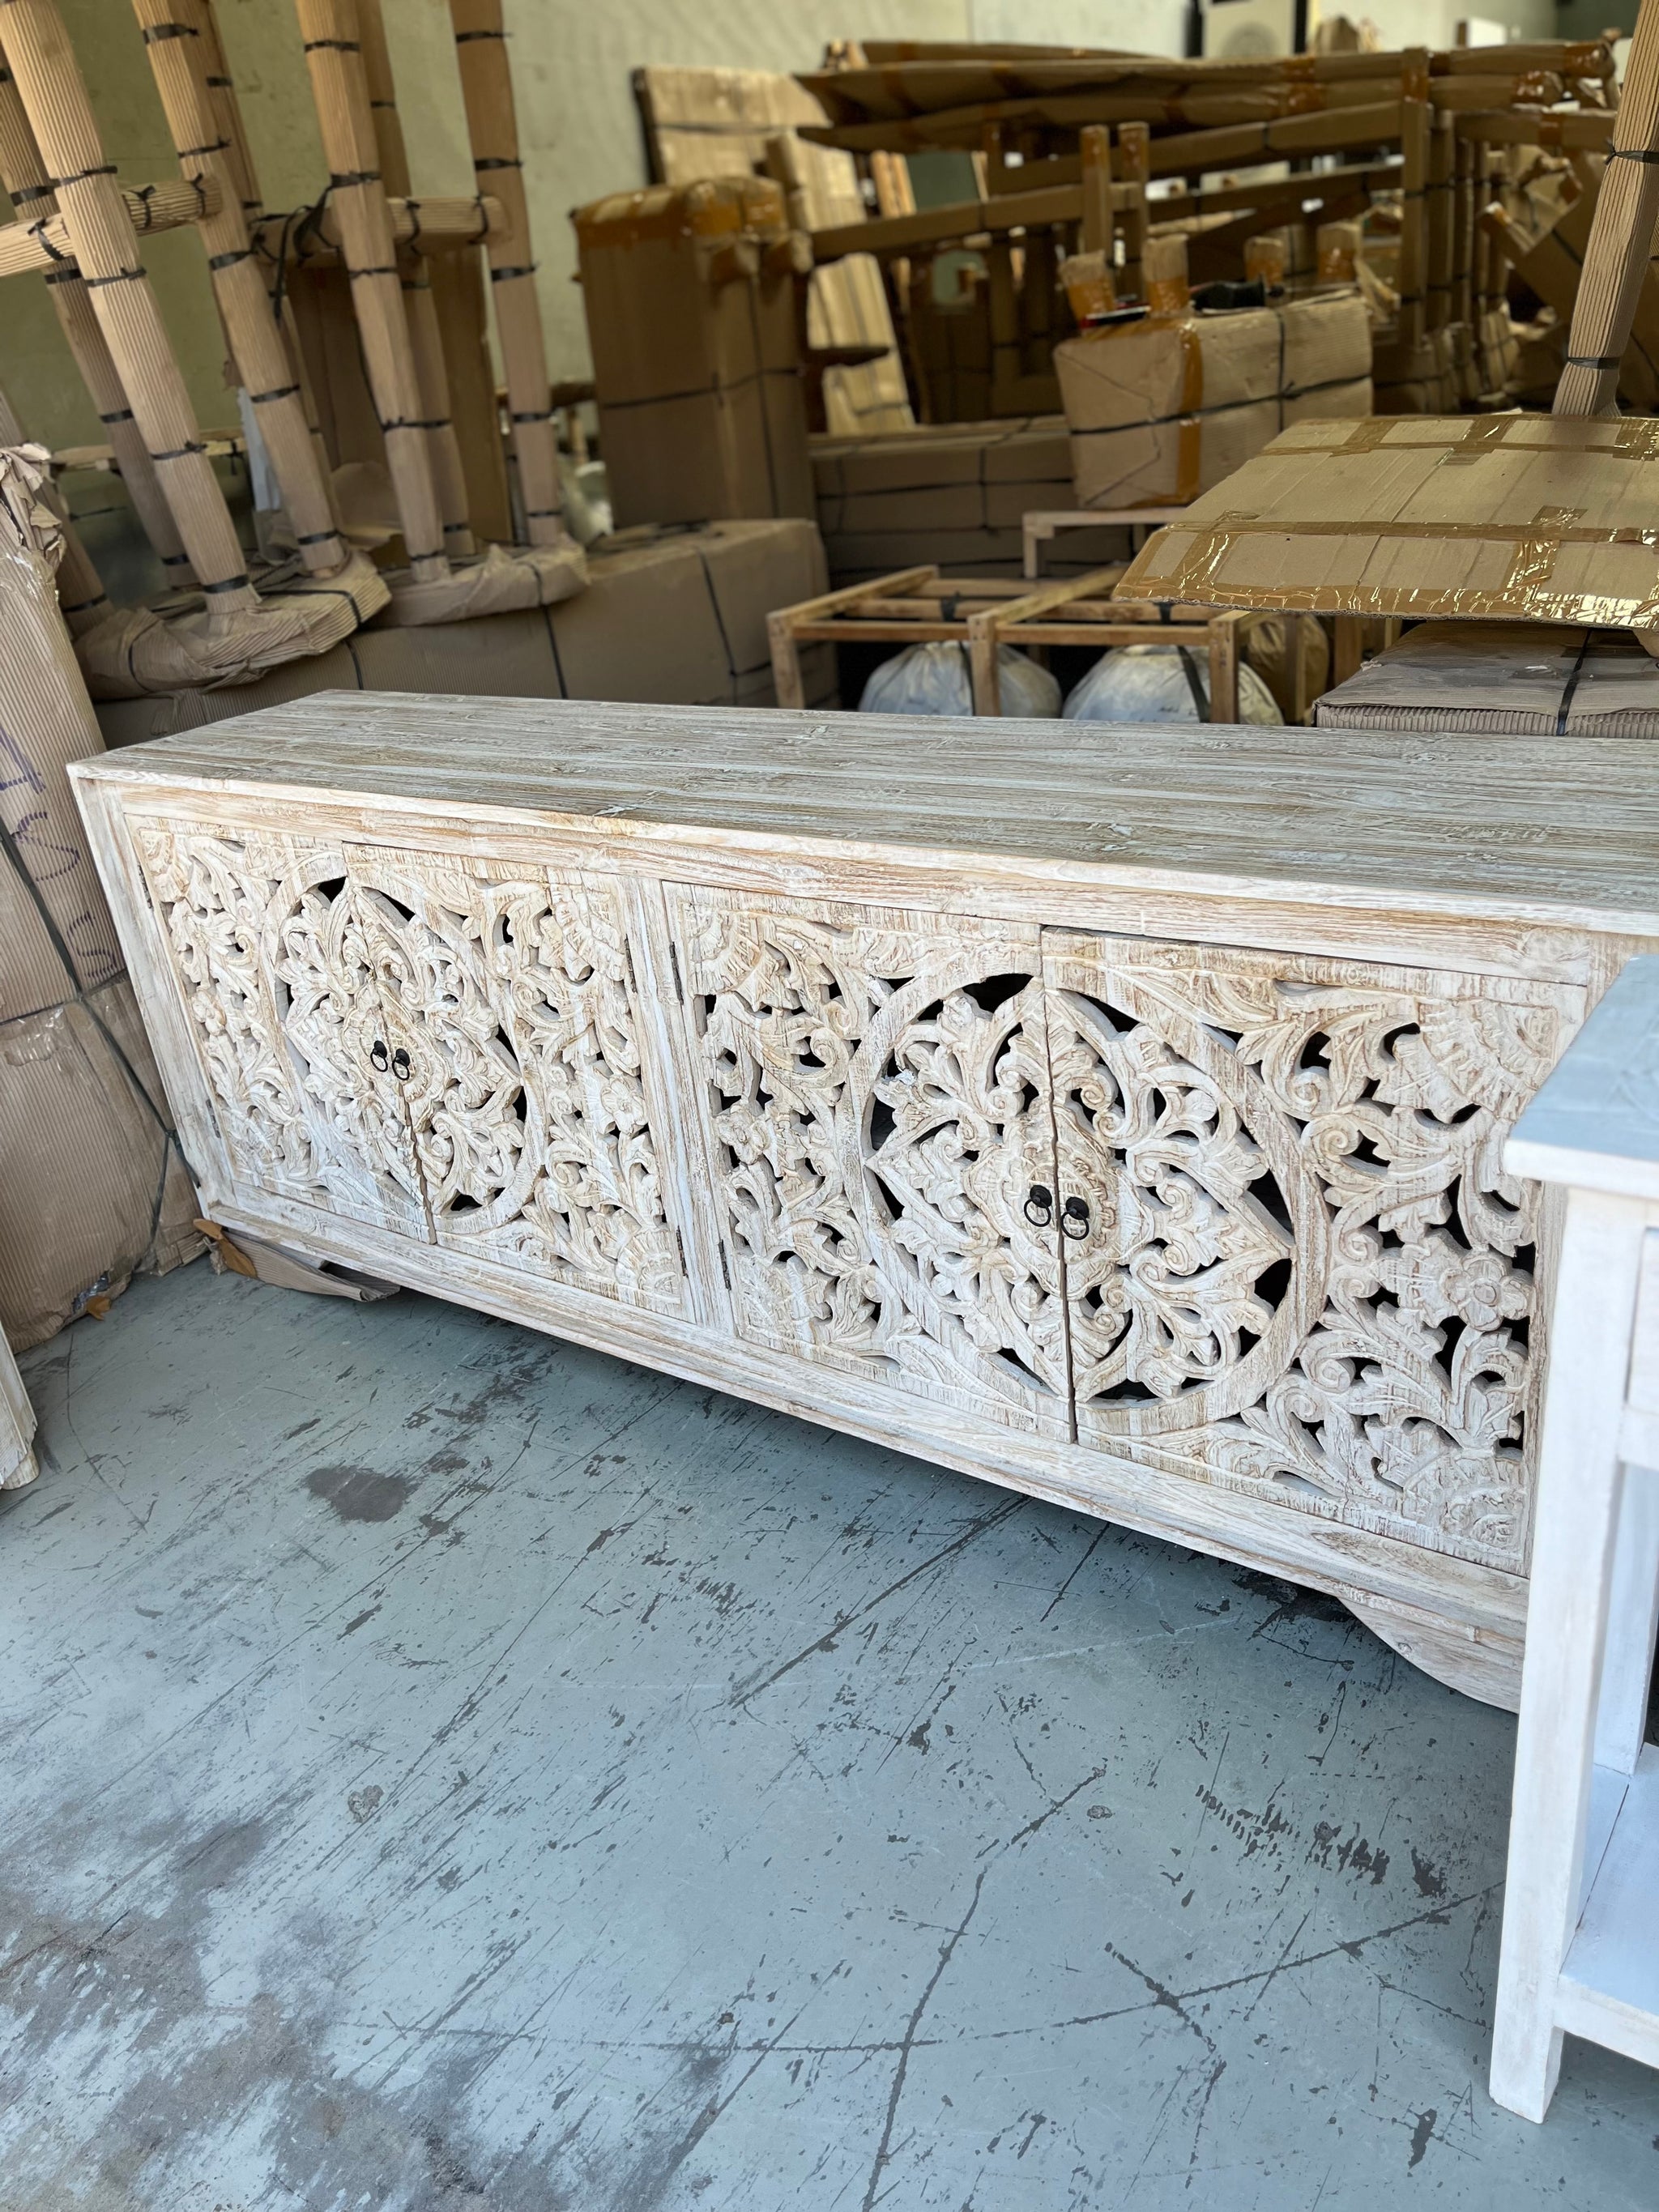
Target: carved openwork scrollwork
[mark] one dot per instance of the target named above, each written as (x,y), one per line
(879,1098)
(525,1089)
(1311,1276)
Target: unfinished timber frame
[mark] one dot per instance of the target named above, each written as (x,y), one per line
(980,1090)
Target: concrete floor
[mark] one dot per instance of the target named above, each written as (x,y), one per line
(445,1769)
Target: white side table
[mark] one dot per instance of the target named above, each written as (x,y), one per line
(17,1461)
(1581,1914)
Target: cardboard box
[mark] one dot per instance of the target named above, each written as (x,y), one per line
(1419,379)
(1531,680)
(671,615)
(955,492)
(92,1184)
(1161,409)
(691,315)
(1530,518)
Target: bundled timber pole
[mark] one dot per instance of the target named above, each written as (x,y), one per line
(1134,146)
(425,336)
(1621,235)
(263,365)
(493,127)
(334,57)
(104,244)
(1415,125)
(1094,146)
(24,175)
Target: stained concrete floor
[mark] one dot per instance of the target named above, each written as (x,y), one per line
(443,1768)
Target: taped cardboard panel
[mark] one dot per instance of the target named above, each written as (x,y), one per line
(87,1177)
(1496,516)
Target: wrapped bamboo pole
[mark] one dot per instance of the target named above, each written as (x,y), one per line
(24,175)
(492,126)
(334,58)
(1621,235)
(223,106)
(263,365)
(54,96)
(425,336)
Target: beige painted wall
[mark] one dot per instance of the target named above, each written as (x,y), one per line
(572,60)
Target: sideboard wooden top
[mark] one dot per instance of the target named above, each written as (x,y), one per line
(1562,831)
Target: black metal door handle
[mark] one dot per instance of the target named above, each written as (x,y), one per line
(378,1056)
(1039,1206)
(1074,1210)
(400,1065)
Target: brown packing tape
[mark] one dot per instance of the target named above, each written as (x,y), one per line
(1533,564)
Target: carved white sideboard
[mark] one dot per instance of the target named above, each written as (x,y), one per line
(1114,1114)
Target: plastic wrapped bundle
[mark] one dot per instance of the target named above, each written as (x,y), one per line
(934,679)
(1161,684)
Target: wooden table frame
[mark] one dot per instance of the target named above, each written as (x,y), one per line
(918,606)
(1579,1952)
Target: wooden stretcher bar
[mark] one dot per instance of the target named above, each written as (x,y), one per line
(918,606)
(985,218)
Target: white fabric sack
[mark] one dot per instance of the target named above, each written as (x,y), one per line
(933,680)
(1156,683)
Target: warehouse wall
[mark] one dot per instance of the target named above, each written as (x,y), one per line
(572,60)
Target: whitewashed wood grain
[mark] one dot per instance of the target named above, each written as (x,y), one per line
(796,1014)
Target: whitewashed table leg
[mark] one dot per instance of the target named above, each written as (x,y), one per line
(1633,1616)
(1578,1495)
(17,1461)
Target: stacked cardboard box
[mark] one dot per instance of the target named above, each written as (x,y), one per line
(674,616)
(1532,679)
(691,302)
(1162,409)
(955,492)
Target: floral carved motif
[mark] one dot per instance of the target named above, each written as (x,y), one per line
(878,1115)
(275,975)
(1311,1276)
(525,1090)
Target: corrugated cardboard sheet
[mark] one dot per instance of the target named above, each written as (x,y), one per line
(1161,409)
(1532,679)
(1530,518)
(676,617)
(92,1186)
(955,492)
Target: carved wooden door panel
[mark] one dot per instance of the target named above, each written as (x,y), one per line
(880,1142)
(511,993)
(1304,1272)
(272,964)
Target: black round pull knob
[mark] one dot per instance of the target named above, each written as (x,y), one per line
(1074,1218)
(380,1057)
(400,1065)
(1039,1204)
